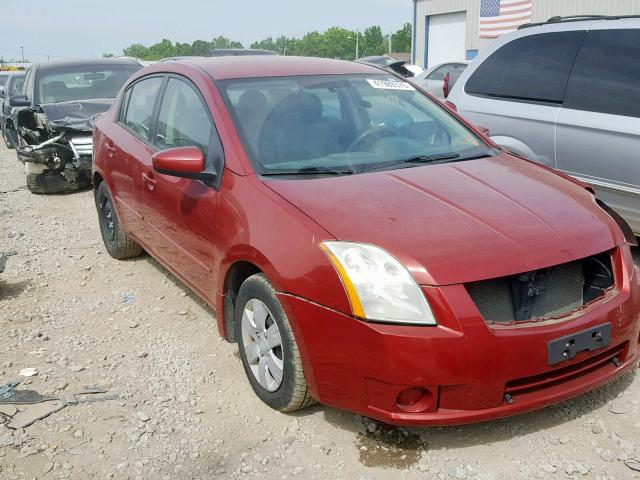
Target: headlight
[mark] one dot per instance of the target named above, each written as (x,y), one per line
(378,286)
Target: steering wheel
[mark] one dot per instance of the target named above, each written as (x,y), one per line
(368,137)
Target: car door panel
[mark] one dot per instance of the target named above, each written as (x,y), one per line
(180,212)
(598,128)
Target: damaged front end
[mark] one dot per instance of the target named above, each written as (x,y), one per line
(56,144)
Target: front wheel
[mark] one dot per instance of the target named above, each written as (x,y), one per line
(268,348)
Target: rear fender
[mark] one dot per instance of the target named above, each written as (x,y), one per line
(518,147)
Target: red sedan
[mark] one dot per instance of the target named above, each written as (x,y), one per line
(364,246)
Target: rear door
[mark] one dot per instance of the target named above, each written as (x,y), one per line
(127,148)
(181,211)
(598,128)
(517,91)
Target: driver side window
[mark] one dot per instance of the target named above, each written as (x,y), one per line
(184,120)
(139,115)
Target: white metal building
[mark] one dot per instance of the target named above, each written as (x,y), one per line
(449,30)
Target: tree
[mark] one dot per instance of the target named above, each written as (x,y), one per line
(401,40)
(224,42)
(200,48)
(373,42)
(137,50)
(160,50)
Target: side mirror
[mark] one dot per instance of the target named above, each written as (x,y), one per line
(183,162)
(19,101)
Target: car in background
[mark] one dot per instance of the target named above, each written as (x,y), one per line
(565,93)
(53,118)
(433,79)
(177,59)
(401,67)
(239,52)
(366,247)
(4,76)
(12,87)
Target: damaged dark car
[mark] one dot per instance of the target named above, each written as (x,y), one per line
(54,115)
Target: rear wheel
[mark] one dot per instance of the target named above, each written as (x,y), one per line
(118,244)
(268,349)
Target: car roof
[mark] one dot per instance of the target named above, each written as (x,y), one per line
(56,64)
(226,68)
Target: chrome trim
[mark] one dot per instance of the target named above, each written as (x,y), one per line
(603,184)
(81,146)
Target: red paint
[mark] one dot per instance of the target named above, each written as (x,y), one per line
(448,224)
(182,159)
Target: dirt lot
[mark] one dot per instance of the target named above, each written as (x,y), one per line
(177,405)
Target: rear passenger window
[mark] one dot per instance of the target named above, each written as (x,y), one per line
(184,120)
(606,75)
(142,99)
(534,68)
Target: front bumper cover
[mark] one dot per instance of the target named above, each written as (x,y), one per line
(472,371)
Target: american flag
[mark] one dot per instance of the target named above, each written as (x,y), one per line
(498,17)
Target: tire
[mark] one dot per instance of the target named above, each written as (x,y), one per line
(48,183)
(118,244)
(292,392)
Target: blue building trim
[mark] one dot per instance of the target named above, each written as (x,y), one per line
(426,42)
(471,54)
(415,31)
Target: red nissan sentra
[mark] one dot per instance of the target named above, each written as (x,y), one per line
(364,246)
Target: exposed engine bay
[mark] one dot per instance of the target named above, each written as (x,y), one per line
(56,144)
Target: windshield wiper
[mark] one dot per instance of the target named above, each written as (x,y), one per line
(416,159)
(310,170)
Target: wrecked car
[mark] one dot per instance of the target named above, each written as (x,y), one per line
(12,87)
(53,119)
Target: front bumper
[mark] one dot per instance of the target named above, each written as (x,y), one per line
(465,365)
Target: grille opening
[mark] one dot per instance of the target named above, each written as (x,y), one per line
(543,293)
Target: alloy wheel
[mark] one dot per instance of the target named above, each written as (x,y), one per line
(262,345)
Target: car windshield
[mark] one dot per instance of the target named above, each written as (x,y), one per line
(16,84)
(343,124)
(82,83)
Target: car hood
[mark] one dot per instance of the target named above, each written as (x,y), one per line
(460,222)
(75,115)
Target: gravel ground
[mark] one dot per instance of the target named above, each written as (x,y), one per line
(177,405)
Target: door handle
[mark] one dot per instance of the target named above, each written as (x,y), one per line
(148,179)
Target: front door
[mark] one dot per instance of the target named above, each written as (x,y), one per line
(181,212)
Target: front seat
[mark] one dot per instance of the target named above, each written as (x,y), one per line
(295,130)
(55,92)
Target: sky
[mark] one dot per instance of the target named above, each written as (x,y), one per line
(85,28)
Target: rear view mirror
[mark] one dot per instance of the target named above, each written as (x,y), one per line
(19,101)
(184,162)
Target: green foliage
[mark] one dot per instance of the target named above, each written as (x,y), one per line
(373,42)
(336,42)
(401,40)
